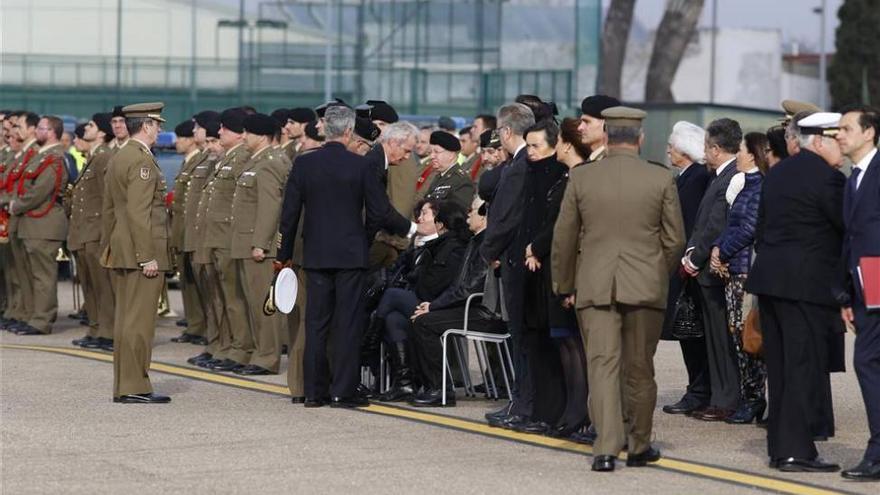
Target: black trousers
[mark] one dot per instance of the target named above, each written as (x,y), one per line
(513,289)
(334,311)
(795,349)
(699,388)
(866,360)
(720,352)
(427,359)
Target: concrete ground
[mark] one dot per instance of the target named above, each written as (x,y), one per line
(60,433)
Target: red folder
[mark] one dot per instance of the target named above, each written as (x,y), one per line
(869,276)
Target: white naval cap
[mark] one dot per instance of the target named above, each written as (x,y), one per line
(820,123)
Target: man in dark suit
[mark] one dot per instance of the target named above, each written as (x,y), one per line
(859,132)
(334,187)
(723,137)
(798,244)
(686,152)
(499,249)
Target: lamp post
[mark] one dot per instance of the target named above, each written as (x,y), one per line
(823,60)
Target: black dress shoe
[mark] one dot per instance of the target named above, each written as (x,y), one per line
(181,323)
(9,324)
(183,338)
(534,427)
(712,414)
(515,421)
(604,463)
(92,343)
(298,399)
(83,341)
(319,402)
(106,344)
(225,365)
(205,356)
(284,350)
(142,399)
(817,465)
(252,370)
(79,315)
(433,398)
(501,413)
(587,437)
(641,460)
(198,340)
(208,363)
(28,330)
(349,402)
(865,471)
(684,406)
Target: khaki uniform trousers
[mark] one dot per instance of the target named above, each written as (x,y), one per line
(241,343)
(42,267)
(96,281)
(296,332)
(193,307)
(254,279)
(619,343)
(134,327)
(12,297)
(22,285)
(218,337)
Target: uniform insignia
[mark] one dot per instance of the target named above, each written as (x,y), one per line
(145,173)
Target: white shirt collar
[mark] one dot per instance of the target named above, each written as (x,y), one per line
(863,165)
(518,149)
(723,166)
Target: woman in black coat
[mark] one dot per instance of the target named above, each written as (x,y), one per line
(434,269)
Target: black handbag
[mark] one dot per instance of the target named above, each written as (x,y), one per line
(688,321)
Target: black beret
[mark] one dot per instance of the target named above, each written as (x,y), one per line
(446,141)
(490,139)
(261,124)
(312,131)
(185,128)
(212,129)
(233,119)
(363,111)
(80,131)
(366,129)
(302,115)
(102,120)
(382,111)
(202,118)
(335,102)
(117,111)
(594,105)
(281,115)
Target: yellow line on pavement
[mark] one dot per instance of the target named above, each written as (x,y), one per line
(682,466)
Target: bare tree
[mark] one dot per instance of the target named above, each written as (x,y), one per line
(676,29)
(614,38)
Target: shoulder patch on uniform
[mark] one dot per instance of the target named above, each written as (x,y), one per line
(145,173)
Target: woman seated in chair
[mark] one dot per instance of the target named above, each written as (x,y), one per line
(433,317)
(434,267)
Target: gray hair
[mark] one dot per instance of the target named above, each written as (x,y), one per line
(516,116)
(689,139)
(399,132)
(337,120)
(623,134)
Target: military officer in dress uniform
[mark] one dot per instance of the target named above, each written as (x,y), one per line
(592,125)
(120,131)
(193,308)
(619,285)
(24,131)
(6,155)
(218,238)
(136,221)
(42,223)
(84,235)
(451,183)
(297,119)
(256,211)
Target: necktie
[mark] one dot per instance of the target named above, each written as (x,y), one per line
(855,178)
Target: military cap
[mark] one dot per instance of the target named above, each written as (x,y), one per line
(596,104)
(79,131)
(820,123)
(261,124)
(446,123)
(363,111)
(382,111)
(152,110)
(446,141)
(366,129)
(102,121)
(312,131)
(117,111)
(185,128)
(794,107)
(281,115)
(490,139)
(335,102)
(621,116)
(212,129)
(202,118)
(302,115)
(233,119)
